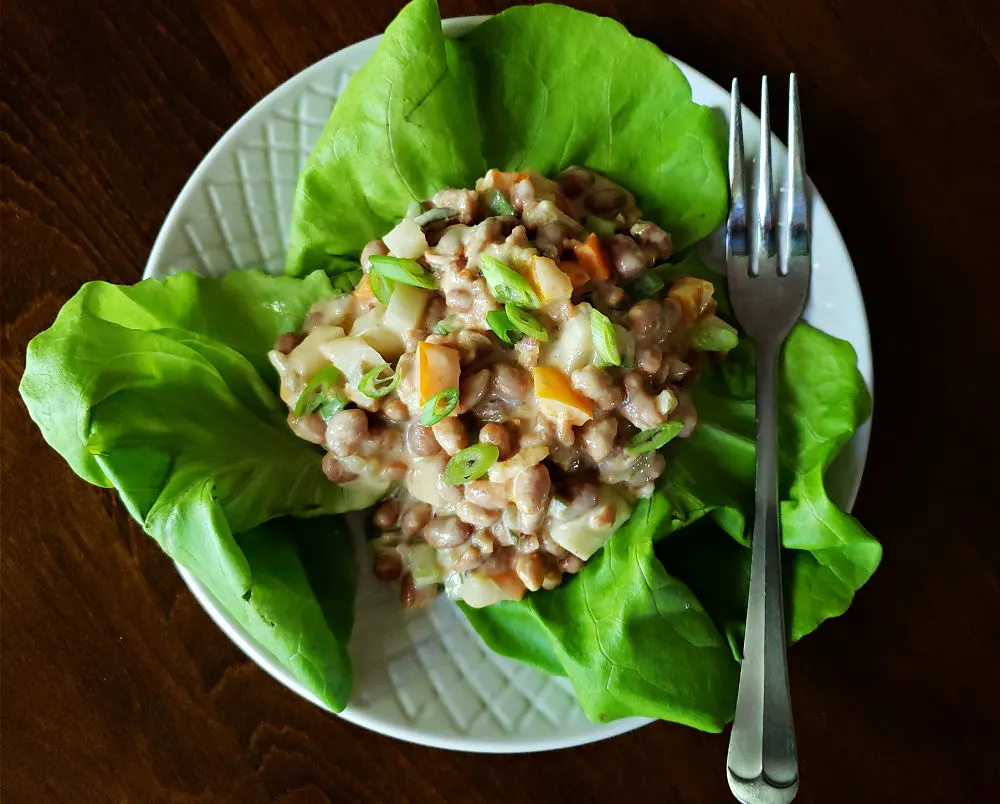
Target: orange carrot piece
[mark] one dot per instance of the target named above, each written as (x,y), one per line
(591,255)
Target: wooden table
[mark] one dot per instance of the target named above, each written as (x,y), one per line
(117,687)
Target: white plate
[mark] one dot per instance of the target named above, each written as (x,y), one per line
(428,678)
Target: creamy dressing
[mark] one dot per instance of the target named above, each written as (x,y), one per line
(560,417)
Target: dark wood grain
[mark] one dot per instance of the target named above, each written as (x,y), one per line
(117,687)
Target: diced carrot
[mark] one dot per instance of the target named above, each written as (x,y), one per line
(557,398)
(503,181)
(591,255)
(438,368)
(577,275)
(550,283)
(695,298)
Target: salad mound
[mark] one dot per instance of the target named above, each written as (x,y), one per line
(164,390)
(513,360)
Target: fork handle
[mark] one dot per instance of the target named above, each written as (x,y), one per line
(763,765)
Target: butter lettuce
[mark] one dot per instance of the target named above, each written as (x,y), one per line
(537,88)
(643,629)
(162,391)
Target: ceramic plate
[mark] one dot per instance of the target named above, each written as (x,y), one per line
(428,678)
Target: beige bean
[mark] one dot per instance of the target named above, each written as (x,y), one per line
(451,434)
(530,568)
(416,519)
(386,514)
(498,436)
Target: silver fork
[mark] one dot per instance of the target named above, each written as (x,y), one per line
(768,293)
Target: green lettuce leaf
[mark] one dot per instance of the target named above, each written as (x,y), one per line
(558,87)
(643,629)
(163,392)
(403,129)
(299,605)
(533,88)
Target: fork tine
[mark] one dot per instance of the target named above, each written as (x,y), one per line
(766,254)
(796,236)
(737,243)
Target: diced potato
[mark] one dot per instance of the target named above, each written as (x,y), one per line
(353,356)
(580,537)
(666,402)
(406,240)
(422,482)
(406,308)
(438,367)
(502,471)
(371,328)
(574,348)
(306,358)
(479,590)
(558,399)
(695,298)
(551,284)
(517,257)
(421,560)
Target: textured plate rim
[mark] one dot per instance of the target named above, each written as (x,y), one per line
(456,27)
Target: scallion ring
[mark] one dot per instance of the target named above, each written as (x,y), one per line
(498,203)
(380,381)
(602,332)
(649,440)
(381,287)
(438,406)
(506,284)
(316,390)
(646,286)
(526,322)
(398,269)
(713,335)
(502,326)
(470,464)
(603,228)
(333,405)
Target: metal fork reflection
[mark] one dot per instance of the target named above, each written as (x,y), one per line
(768,289)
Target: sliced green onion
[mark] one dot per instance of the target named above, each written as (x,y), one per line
(380,381)
(502,326)
(526,322)
(648,440)
(506,284)
(601,227)
(336,403)
(645,287)
(399,269)
(602,331)
(498,203)
(441,329)
(435,214)
(713,335)
(381,287)
(346,281)
(470,464)
(316,390)
(438,406)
